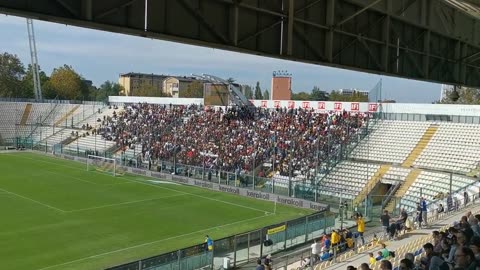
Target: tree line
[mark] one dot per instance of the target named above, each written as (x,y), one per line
(462,95)
(16,81)
(314,95)
(64,82)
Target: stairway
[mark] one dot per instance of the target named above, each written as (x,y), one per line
(421,145)
(26,114)
(372,182)
(411,177)
(61,120)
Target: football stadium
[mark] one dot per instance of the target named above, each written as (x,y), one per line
(186,172)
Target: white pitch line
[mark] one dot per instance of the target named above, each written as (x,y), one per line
(156,186)
(149,243)
(123,203)
(32,200)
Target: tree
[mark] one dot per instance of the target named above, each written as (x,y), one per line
(247,91)
(462,95)
(107,89)
(230,80)
(193,90)
(266,94)
(358,97)
(12,72)
(318,95)
(336,96)
(28,87)
(68,84)
(301,96)
(258,91)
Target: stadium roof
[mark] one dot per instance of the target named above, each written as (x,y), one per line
(471,7)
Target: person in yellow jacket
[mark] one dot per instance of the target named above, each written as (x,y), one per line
(360,226)
(335,238)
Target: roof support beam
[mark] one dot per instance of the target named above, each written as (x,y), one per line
(87,10)
(203,21)
(358,12)
(386,36)
(68,8)
(329,36)
(115,9)
(291,19)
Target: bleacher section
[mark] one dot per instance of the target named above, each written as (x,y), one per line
(390,141)
(44,122)
(372,182)
(417,151)
(419,146)
(452,142)
(26,114)
(432,185)
(356,174)
(11,114)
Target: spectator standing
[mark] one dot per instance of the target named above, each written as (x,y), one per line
(360,226)
(316,248)
(465,198)
(385,219)
(208,243)
(449,202)
(423,204)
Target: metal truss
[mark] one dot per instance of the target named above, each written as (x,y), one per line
(431,40)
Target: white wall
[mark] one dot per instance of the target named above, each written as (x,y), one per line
(155,100)
(412,108)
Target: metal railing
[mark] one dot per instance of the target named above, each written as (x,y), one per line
(239,249)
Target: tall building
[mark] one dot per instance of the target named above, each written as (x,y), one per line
(171,85)
(133,81)
(281,86)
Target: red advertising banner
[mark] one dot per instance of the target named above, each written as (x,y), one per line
(291,104)
(372,107)
(354,106)
(276,104)
(264,104)
(306,104)
(337,106)
(321,105)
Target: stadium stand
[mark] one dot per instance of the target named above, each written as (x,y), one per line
(412,158)
(357,174)
(11,115)
(234,140)
(391,141)
(452,141)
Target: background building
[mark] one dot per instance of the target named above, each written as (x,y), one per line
(281,86)
(133,81)
(351,91)
(174,86)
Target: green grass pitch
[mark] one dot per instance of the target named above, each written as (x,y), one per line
(57,215)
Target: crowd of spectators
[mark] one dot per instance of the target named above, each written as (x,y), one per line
(458,247)
(234,140)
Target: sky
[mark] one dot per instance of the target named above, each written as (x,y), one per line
(100,56)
